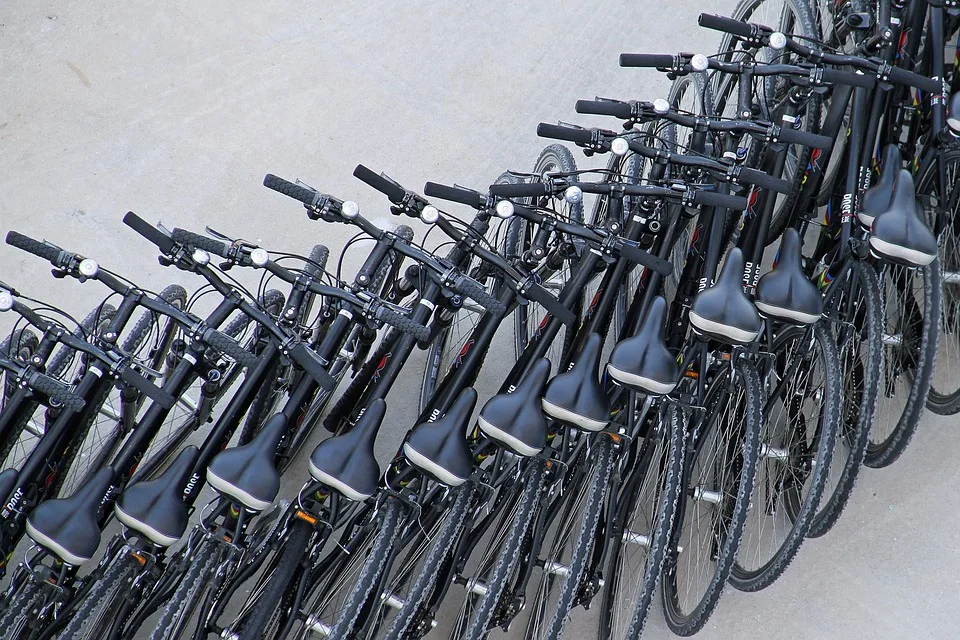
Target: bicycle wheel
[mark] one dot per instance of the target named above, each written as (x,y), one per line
(911,304)
(343,603)
(791,17)
(801,419)
(21,617)
(96,618)
(722,453)
(944,397)
(487,579)
(568,547)
(414,578)
(183,610)
(855,325)
(273,594)
(641,533)
(529,319)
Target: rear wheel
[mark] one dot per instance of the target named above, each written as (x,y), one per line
(96,618)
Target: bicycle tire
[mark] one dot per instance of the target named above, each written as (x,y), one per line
(181,605)
(291,558)
(441,547)
(21,610)
(884,450)
(861,382)
(686,623)
(508,555)
(797,503)
(582,550)
(88,621)
(664,510)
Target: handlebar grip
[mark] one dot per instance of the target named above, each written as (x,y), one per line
(394,192)
(287,188)
(764,180)
(902,76)
(403,323)
(144,386)
(554,307)
(580,136)
(727,25)
(805,138)
(311,364)
(520,190)
(834,76)
(149,232)
(647,60)
(39,248)
(613,108)
(55,390)
(195,240)
(468,197)
(635,254)
(725,200)
(478,293)
(228,346)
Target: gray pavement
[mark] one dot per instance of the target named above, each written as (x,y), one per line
(176,111)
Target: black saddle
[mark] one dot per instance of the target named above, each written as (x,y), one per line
(69,527)
(643,362)
(724,312)
(785,292)
(248,473)
(877,198)
(900,234)
(346,462)
(576,397)
(515,420)
(155,508)
(440,448)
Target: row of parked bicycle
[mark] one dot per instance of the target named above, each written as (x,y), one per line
(678,416)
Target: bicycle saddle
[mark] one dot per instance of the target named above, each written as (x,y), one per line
(642,362)
(248,473)
(576,397)
(785,293)
(69,527)
(877,198)
(155,508)
(440,448)
(723,311)
(346,462)
(8,480)
(515,420)
(900,234)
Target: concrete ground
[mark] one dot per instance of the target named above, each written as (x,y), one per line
(176,112)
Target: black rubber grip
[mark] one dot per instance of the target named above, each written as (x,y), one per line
(620,110)
(197,241)
(554,307)
(287,188)
(520,190)
(556,132)
(714,199)
(909,78)
(310,363)
(805,138)
(764,180)
(394,192)
(45,250)
(727,25)
(647,60)
(148,231)
(833,76)
(635,254)
(147,388)
(478,293)
(468,197)
(403,323)
(228,346)
(55,390)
